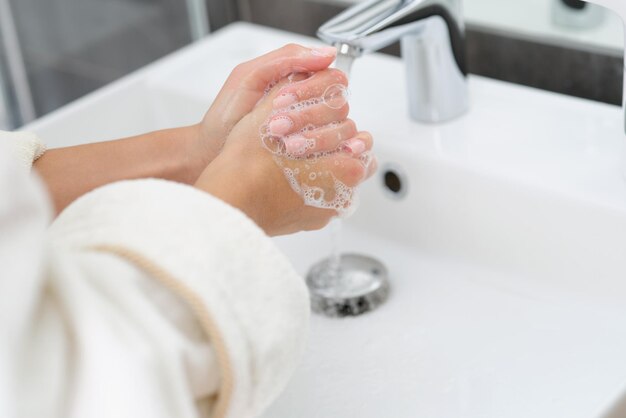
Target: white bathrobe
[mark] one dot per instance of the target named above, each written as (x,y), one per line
(143,299)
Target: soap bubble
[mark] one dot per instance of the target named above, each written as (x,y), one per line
(366,159)
(336,96)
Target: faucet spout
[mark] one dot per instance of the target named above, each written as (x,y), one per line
(432,36)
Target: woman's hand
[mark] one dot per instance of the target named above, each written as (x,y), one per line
(247,84)
(179,154)
(313,141)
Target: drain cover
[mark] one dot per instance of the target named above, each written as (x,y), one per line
(352,286)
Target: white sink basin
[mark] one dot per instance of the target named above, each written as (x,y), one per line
(507,253)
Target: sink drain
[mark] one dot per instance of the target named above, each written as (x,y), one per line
(355,285)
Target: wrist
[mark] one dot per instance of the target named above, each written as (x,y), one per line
(200,149)
(188,151)
(208,143)
(227,181)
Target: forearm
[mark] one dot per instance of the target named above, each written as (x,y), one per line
(172,154)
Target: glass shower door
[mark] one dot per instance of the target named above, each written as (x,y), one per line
(16,104)
(54,51)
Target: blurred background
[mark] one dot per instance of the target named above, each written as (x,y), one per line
(54,51)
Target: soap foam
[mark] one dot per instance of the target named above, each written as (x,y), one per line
(313,181)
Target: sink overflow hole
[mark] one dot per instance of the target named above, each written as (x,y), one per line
(394,182)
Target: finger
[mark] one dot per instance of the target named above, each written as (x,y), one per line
(353,170)
(361,143)
(260,72)
(329,138)
(293,78)
(366,157)
(325,138)
(370,163)
(247,83)
(294,121)
(315,86)
(307,105)
(348,170)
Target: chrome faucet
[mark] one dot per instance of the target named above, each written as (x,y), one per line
(432,36)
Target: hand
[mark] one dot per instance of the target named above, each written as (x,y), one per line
(247,84)
(317,139)
(179,154)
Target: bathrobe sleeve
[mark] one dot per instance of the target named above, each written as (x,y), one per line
(146,298)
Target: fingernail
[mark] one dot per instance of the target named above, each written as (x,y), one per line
(295,145)
(280,125)
(355,146)
(324,51)
(284,100)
